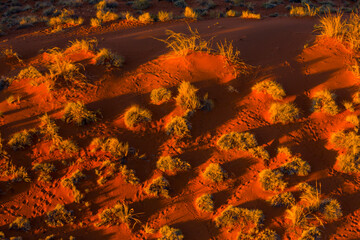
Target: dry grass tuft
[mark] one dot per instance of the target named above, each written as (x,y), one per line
(120,213)
(187,97)
(273,88)
(158,187)
(232,216)
(169,233)
(76,112)
(271,180)
(178,126)
(283,112)
(325,101)
(215,173)
(108,58)
(190,13)
(160,95)
(250,15)
(205,203)
(136,115)
(167,163)
(164,16)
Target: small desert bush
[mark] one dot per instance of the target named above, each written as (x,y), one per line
(66,17)
(356,97)
(273,88)
(167,163)
(271,180)
(349,163)
(21,140)
(353,119)
(250,15)
(205,203)
(108,58)
(85,45)
(145,18)
(169,233)
(259,152)
(283,112)
(94,22)
(160,95)
(190,13)
(258,234)
(331,209)
(227,49)
(312,233)
(136,115)
(120,213)
(164,16)
(112,145)
(29,73)
(348,106)
(234,140)
(325,101)
(187,97)
(182,44)
(20,223)
(302,11)
(284,150)
(215,173)
(67,146)
(20,174)
(296,166)
(45,169)
(332,26)
(129,175)
(106,16)
(346,140)
(159,187)
(76,112)
(141,4)
(231,13)
(232,216)
(297,216)
(59,216)
(71,183)
(178,126)
(310,195)
(285,199)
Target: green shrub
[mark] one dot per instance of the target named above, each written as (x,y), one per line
(159,187)
(271,180)
(76,112)
(232,216)
(169,233)
(167,163)
(20,223)
(190,13)
(187,97)
(120,213)
(21,140)
(273,88)
(285,199)
(312,233)
(331,209)
(141,4)
(178,126)
(297,216)
(296,166)
(45,169)
(164,16)
(160,95)
(112,145)
(136,115)
(59,216)
(108,58)
(325,101)
(214,173)
(205,203)
(283,112)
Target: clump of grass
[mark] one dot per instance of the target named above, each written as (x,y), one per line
(250,15)
(182,44)
(312,233)
(205,203)
(310,196)
(169,233)
(76,112)
(29,73)
(141,4)
(243,141)
(71,183)
(353,119)
(112,145)
(59,216)
(108,58)
(21,140)
(258,234)
(284,150)
(94,22)
(273,88)
(356,97)
(324,101)
(45,169)
(296,166)
(106,16)
(190,13)
(129,175)
(159,187)
(305,10)
(86,45)
(160,95)
(214,173)
(271,180)
(259,152)
(283,112)
(187,97)
(19,174)
(145,18)
(164,16)
(20,223)
(136,115)
(346,140)
(120,213)
(232,216)
(232,55)
(178,126)
(297,216)
(285,199)
(66,17)
(349,163)
(349,106)
(167,163)
(331,209)
(231,13)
